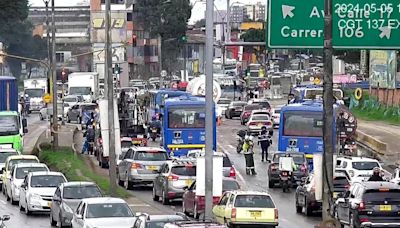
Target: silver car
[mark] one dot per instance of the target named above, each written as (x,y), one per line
(140,165)
(67,198)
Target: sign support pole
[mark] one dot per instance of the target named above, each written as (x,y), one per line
(327,113)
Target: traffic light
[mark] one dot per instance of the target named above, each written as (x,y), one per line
(117,69)
(64,75)
(183,39)
(134,40)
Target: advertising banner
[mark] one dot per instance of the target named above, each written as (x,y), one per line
(382,69)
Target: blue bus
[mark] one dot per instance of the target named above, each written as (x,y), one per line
(301,127)
(183,125)
(157,98)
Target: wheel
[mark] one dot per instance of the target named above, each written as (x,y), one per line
(307,211)
(184,208)
(164,198)
(271,184)
(299,209)
(196,215)
(52,222)
(40,116)
(127,183)
(120,182)
(155,196)
(27,211)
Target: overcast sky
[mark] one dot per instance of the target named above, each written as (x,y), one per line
(197,12)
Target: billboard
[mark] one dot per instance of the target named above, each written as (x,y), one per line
(382,69)
(118,27)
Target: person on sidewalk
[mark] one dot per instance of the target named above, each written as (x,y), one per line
(265,141)
(89,136)
(376,175)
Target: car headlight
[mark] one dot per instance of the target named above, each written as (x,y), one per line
(68,209)
(35,197)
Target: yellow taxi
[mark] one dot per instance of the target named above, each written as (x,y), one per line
(246,208)
(10,162)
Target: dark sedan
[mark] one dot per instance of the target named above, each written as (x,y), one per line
(235,108)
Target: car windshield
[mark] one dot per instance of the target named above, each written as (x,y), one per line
(80,90)
(318,93)
(184,170)
(126,144)
(365,165)
(12,162)
(263,104)
(150,156)
(259,201)
(375,195)
(307,124)
(224,101)
(81,192)
(20,173)
(229,185)
(9,125)
(70,99)
(297,158)
(238,104)
(5,155)
(260,117)
(340,182)
(34,92)
(251,107)
(108,210)
(187,117)
(46,181)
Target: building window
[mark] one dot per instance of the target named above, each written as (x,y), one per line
(129,17)
(59,57)
(114,1)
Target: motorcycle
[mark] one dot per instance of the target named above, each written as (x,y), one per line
(154,133)
(2,219)
(285,180)
(239,146)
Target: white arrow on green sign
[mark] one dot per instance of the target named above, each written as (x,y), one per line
(357,24)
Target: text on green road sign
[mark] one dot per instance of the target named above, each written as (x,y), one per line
(362,24)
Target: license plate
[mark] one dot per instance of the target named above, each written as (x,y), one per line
(155,131)
(385,207)
(188,182)
(49,204)
(137,141)
(260,124)
(255,214)
(152,167)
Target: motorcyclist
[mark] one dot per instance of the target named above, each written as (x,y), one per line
(155,123)
(89,135)
(264,140)
(376,175)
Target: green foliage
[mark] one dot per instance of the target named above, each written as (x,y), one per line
(200,23)
(167,18)
(255,35)
(16,33)
(75,169)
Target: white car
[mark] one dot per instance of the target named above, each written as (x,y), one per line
(396,176)
(276,116)
(4,154)
(223,104)
(357,168)
(103,212)
(18,173)
(72,100)
(256,122)
(37,190)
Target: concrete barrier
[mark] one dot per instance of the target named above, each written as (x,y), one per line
(371,142)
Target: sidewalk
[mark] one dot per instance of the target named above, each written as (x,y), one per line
(387,134)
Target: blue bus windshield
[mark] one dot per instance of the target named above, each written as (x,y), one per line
(302,123)
(186,117)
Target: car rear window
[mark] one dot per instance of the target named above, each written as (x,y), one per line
(184,170)
(251,107)
(264,104)
(340,182)
(226,162)
(20,173)
(230,185)
(126,144)
(260,117)
(241,104)
(364,165)
(261,201)
(389,196)
(150,156)
(297,158)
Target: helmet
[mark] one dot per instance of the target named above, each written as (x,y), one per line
(376,170)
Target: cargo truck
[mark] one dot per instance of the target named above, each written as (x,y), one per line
(85,84)
(35,88)
(12,125)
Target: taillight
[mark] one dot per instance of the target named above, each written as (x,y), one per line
(173,178)
(233,213)
(252,123)
(232,172)
(276,213)
(303,168)
(364,220)
(246,113)
(136,166)
(273,168)
(347,186)
(361,206)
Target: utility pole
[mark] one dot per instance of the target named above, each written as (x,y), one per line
(209,110)
(109,91)
(49,57)
(328,113)
(160,61)
(184,61)
(54,77)
(228,21)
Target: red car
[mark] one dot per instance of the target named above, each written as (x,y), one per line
(246,113)
(194,205)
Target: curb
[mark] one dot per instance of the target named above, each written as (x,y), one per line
(376,145)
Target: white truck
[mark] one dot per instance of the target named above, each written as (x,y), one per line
(35,88)
(85,84)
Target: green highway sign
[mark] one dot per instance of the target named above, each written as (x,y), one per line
(357,24)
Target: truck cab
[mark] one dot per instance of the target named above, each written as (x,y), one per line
(12,129)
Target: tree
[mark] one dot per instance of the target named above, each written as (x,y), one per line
(255,35)
(16,33)
(200,23)
(167,19)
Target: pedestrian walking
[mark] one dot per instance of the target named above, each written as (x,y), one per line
(265,141)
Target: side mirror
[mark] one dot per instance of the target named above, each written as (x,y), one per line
(24,123)
(25,130)
(5,218)
(79,217)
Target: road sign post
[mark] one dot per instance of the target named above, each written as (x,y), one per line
(356,24)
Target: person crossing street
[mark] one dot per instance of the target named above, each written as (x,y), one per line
(265,141)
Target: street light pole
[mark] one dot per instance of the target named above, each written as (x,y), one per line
(54,76)
(228,21)
(109,91)
(209,110)
(49,57)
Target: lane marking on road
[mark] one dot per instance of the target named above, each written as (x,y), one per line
(3,202)
(139,205)
(232,147)
(237,171)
